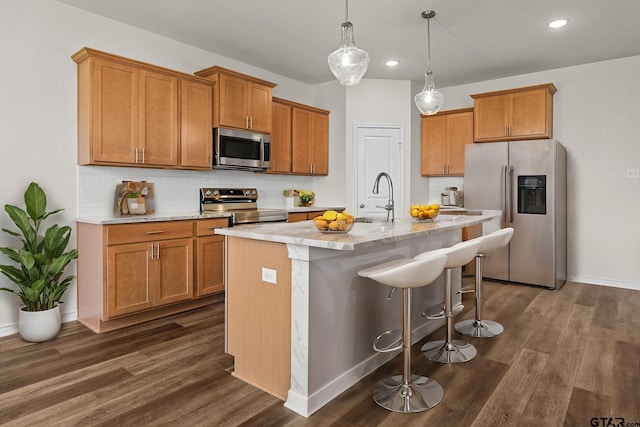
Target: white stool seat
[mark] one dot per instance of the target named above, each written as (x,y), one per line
(450,350)
(494,241)
(457,255)
(479,327)
(406,392)
(406,272)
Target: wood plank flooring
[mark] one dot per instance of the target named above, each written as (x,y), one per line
(565,357)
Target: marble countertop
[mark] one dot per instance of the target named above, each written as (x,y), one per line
(181,216)
(362,235)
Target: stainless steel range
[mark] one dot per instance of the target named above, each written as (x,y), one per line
(241,202)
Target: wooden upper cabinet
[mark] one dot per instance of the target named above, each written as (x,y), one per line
(444,137)
(514,114)
(158,118)
(281,138)
(300,139)
(136,114)
(240,101)
(196,130)
(109,91)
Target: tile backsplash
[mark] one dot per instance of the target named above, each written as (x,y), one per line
(176,190)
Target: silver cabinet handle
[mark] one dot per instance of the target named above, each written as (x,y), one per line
(136,154)
(157,250)
(151,251)
(155,232)
(143,156)
(251,122)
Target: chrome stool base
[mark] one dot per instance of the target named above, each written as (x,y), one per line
(449,352)
(417,395)
(479,328)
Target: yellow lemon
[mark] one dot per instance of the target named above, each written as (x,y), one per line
(330,215)
(333,225)
(414,212)
(435,207)
(431,213)
(341,216)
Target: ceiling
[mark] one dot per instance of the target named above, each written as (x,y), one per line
(471,40)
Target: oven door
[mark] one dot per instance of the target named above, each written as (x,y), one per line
(236,149)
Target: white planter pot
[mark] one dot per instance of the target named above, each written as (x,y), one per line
(38,326)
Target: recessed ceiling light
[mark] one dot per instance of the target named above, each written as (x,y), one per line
(558,23)
(391,63)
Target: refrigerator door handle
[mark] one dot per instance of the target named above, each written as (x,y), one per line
(505,193)
(510,193)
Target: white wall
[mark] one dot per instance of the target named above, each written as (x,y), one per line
(596,118)
(386,102)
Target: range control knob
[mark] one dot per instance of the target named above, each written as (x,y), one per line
(254,192)
(207,193)
(215,193)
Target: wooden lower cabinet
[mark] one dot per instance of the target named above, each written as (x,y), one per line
(303,216)
(210,248)
(130,273)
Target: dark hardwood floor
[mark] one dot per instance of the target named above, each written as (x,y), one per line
(566,357)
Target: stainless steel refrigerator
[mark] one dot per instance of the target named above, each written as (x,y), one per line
(527,181)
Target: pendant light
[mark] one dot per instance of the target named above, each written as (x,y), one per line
(348,63)
(430,100)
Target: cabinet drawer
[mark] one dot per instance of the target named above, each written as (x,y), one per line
(148,231)
(206,227)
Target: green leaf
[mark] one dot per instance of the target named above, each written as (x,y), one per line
(35,201)
(22,221)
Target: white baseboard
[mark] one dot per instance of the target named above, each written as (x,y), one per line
(603,282)
(306,406)
(12,328)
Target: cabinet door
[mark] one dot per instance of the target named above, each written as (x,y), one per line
(460,133)
(173,271)
(320,143)
(528,114)
(434,145)
(259,107)
(210,265)
(196,127)
(281,138)
(158,115)
(233,102)
(114,117)
(491,115)
(129,278)
(301,140)
(297,216)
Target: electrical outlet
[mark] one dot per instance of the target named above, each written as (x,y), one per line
(633,173)
(269,275)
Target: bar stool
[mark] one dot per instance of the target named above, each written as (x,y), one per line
(407,392)
(479,327)
(448,350)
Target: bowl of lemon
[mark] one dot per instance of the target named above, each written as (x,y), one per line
(424,212)
(334,222)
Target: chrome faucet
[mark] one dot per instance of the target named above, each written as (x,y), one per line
(389,207)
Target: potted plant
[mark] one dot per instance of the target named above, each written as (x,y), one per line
(40,263)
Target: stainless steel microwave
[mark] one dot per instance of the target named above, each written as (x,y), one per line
(238,149)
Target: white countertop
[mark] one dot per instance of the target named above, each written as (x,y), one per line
(362,235)
(181,216)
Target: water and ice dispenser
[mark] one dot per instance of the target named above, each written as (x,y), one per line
(532,194)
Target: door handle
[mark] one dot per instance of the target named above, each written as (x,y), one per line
(510,194)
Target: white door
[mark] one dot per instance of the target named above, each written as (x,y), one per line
(378,149)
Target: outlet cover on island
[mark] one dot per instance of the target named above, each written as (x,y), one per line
(633,173)
(269,275)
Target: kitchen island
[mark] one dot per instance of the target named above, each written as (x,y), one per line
(300,322)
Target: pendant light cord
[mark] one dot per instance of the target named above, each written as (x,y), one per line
(429,44)
(346,10)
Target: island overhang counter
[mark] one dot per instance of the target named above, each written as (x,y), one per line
(300,322)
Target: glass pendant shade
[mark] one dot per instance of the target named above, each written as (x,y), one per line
(430,100)
(348,63)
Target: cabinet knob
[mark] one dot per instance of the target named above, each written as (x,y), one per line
(362,205)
